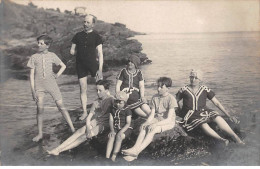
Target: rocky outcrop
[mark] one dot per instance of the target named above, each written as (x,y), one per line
(25,23)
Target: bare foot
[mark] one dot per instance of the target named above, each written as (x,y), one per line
(37,138)
(129,158)
(241,143)
(73,130)
(113,158)
(132,152)
(127,150)
(226,142)
(53,152)
(84,115)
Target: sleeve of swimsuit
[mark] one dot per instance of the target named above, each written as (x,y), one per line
(140,76)
(120,75)
(179,95)
(30,63)
(152,103)
(56,60)
(128,112)
(210,93)
(75,39)
(172,103)
(98,40)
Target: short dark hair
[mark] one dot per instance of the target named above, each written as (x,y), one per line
(165,81)
(104,83)
(47,40)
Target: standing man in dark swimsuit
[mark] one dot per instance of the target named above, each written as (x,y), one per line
(85,45)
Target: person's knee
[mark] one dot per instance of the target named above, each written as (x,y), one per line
(60,105)
(40,107)
(120,137)
(146,109)
(82,130)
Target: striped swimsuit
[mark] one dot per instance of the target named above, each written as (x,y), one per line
(45,81)
(194,110)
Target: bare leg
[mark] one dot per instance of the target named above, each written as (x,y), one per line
(146,109)
(147,140)
(140,112)
(226,128)
(83,96)
(138,142)
(65,114)
(117,146)
(67,143)
(40,111)
(77,142)
(209,131)
(110,144)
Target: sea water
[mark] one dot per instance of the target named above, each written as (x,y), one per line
(230,63)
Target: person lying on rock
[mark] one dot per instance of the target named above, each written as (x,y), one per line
(131,81)
(195,113)
(97,125)
(161,119)
(119,122)
(43,80)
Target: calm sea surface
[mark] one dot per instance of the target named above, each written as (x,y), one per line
(230,63)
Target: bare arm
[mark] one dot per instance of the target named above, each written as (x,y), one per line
(151,116)
(118,85)
(73,49)
(90,115)
(63,67)
(111,123)
(141,87)
(32,84)
(169,120)
(100,57)
(219,105)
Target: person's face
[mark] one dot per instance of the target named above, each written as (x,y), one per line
(162,89)
(42,46)
(130,65)
(101,91)
(194,81)
(119,104)
(88,23)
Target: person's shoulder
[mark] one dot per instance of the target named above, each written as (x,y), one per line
(171,97)
(204,87)
(94,32)
(155,96)
(123,70)
(35,55)
(51,54)
(139,71)
(184,88)
(109,99)
(80,32)
(127,110)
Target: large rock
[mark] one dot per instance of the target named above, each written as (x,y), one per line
(25,23)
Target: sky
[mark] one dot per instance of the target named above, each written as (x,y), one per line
(186,16)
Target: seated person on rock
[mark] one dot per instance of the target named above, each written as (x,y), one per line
(161,119)
(195,113)
(119,122)
(131,81)
(95,126)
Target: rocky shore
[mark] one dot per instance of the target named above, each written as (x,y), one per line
(22,24)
